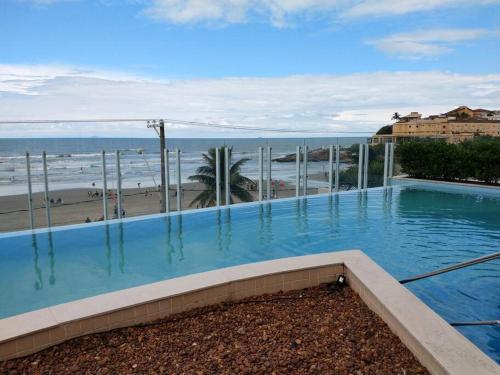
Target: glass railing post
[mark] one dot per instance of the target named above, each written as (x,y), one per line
(104,187)
(261,173)
(365,166)
(337,167)
(360,166)
(391,160)
(297,171)
(118,186)
(30,191)
(167,182)
(268,173)
(227,177)
(178,172)
(386,163)
(330,169)
(305,170)
(217,176)
(46,183)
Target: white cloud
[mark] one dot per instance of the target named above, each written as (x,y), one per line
(353,102)
(234,11)
(279,11)
(426,42)
(398,7)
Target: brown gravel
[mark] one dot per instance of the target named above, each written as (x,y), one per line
(313,331)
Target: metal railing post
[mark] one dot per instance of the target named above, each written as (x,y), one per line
(330,169)
(167,182)
(118,186)
(360,166)
(386,163)
(104,187)
(297,172)
(391,160)
(46,182)
(337,167)
(227,177)
(178,170)
(30,191)
(305,171)
(261,173)
(367,161)
(268,186)
(217,176)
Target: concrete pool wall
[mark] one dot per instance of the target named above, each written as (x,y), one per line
(437,345)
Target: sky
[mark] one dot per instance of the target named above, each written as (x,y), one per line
(332,66)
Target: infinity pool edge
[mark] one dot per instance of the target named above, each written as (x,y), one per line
(438,346)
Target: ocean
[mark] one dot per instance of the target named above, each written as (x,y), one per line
(76,162)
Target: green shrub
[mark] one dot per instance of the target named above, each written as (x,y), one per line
(478,158)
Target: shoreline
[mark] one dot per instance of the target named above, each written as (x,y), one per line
(76,204)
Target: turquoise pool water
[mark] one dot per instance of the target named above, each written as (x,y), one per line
(406,229)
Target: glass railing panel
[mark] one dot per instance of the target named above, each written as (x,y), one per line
(349,166)
(283,166)
(376,165)
(75,187)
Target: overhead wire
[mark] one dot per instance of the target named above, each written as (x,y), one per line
(185,123)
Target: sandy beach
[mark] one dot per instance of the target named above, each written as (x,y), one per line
(77,205)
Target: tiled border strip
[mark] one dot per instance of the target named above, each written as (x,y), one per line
(437,345)
(460,186)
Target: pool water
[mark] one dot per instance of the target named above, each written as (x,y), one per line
(407,230)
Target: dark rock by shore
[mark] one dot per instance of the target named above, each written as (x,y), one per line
(319,154)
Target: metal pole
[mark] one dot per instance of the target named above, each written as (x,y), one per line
(337,167)
(360,166)
(367,161)
(261,173)
(104,186)
(454,267)
(477,323)
(386,163)
(163,207)
(167,182)
(330,170)
(217,176)
(391,160)
(46,181)
(297,172)
(227,177)
(30,191)
(178,168)
(305,170)
(118,186)
(268,173)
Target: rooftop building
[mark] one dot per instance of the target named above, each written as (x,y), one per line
(454,126)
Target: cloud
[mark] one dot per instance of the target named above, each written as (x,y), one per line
(353,102)
(279,12)
(398,7)
(425,43)
(235,11)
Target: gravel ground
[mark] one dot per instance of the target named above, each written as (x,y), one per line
(314,331)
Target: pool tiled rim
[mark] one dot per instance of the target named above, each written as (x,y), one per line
(438,346)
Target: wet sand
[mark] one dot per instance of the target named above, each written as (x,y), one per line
(77,205)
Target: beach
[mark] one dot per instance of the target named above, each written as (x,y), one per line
(77,205)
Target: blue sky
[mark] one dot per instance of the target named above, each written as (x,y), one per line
(49,46)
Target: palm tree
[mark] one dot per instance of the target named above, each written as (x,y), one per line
(396,116)
(206,175)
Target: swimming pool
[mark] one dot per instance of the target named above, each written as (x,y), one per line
(406,229)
